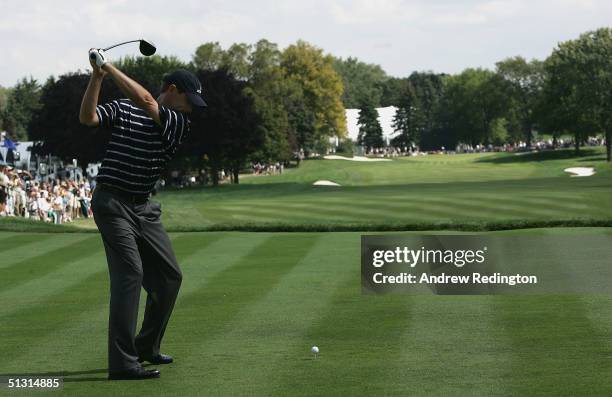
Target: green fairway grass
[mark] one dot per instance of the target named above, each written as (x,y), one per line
(253,304)
(489,191)
(429,189)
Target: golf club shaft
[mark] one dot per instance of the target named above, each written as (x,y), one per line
(116,45)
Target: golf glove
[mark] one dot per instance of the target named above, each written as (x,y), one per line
(98,56)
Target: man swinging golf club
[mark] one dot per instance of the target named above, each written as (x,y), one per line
(145,135)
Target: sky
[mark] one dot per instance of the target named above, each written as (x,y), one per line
(43,38)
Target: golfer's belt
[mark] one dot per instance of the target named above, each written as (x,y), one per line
(126,196)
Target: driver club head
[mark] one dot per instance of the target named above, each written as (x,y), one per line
(147,48)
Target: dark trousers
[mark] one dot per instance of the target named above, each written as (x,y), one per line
(139,254)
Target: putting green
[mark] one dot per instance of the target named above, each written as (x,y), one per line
(252,305)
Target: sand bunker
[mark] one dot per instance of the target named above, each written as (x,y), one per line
(354,158)
(324,182)
(580,171)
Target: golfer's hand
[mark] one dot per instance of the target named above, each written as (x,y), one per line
(97,59)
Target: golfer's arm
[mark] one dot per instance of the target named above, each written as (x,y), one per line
(87,114)
(134,91)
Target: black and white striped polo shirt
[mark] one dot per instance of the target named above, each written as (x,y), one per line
(138,149)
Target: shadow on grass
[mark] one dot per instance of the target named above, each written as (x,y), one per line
(227,188)
(69,376)
(560,154)
(284,190)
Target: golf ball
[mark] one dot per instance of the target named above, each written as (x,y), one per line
(314,349)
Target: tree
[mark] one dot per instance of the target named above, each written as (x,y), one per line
(370,131)
(473,100)
(301,118)
(525,80)
(21,105)
(391,91)
(271,94)
(428,89)
(208,56)
(236,60)
(578,87)
(149,71)
(409,119)
(229,130)
(56,126)
(313,72)
(4,95)
(361,81)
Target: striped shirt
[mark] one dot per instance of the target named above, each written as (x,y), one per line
(138,149)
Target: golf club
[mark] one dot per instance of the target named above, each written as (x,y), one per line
(147,48)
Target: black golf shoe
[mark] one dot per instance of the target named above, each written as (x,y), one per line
(134,374)
(158,359)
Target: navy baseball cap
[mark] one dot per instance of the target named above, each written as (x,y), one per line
(188,83)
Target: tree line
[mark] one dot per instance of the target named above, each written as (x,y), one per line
(266,103)
(570,92)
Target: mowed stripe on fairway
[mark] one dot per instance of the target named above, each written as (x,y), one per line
(453,347)
(200,258)
(7,235)
(14,275)
(411,206)
(361,340)
(24,246)
(554,348)
(72,305)
(206,312)
(39,288)
(79,342)
(265,337)
(242,284)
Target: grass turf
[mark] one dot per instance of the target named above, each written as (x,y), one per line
(491,191)
(252,305)
(429,190)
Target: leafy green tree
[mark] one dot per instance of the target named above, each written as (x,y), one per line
(525,80)
(578,87)
(236,60)
(148,71)
(270,92)
(56,124)
(56,127)
(362,81)
(4,95)
(301,118)
(370,132)
(229,131)
(473,100)
(429,89)
(392,89)
(409,120)
(208,56)
(306,66)
(22,104)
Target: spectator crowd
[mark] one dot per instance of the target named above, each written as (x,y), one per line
(59,201)
(267,169)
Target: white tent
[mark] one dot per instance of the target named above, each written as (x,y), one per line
(385,118)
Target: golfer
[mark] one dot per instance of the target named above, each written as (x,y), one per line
(145,135)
